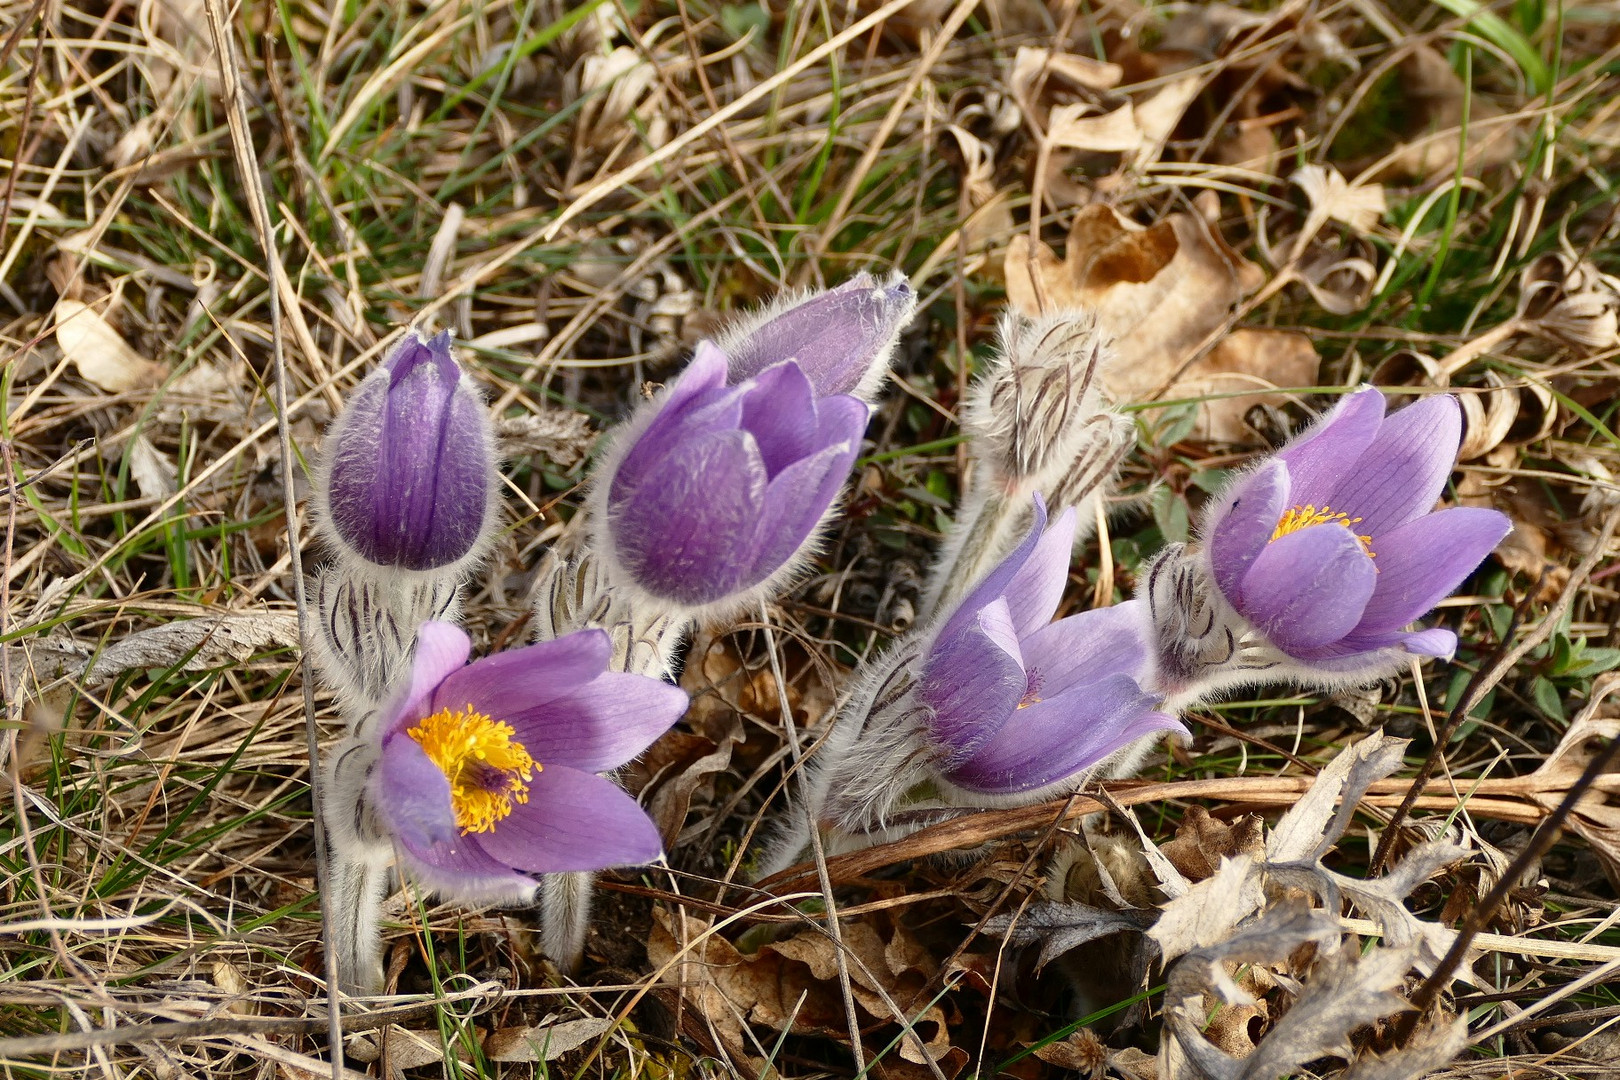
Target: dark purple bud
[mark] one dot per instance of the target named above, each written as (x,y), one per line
(718,490)
(843,338)
(410,462)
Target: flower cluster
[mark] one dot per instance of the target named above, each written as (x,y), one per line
(494,780)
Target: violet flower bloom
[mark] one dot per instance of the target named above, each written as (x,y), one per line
(714,492)
(409,471)
(487,771)
(1019,703)
(1332,547)
(843,338)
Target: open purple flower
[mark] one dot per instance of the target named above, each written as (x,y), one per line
(716,491)
(1333,546)
(409,472)
(1017,702)
(842,337)
(487,771)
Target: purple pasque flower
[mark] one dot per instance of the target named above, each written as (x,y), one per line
(486,772)
(408,477)
(1333,546)
(716,490)
(1017,703)
(843,338)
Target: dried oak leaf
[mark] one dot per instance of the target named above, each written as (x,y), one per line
(99,351)
(1160,292)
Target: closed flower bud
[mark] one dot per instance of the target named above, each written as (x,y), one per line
(714,493)
(408,479)
(843,338)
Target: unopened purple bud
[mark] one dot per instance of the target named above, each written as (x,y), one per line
(716,490)
(409,476)
(843,337)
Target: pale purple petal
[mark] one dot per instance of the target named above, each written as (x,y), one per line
(1087,647)
(1327,451)
(1055,738)
(1309,588)
(1434,642)
(441,650)
(690,535)
(780,412)
(573,821)
(973,681)
(525,678)
(1403,472)
(794,505)
(1242,521)
(598,725)
(703,379)
(1421,562)
(995,583)
(837,336)
(1036,589)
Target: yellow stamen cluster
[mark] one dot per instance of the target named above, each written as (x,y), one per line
(487,770)
(1299,517)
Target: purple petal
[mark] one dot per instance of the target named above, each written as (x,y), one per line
(838,336)
(996,581)
(441,650)
(1241,523)
(573,821)
(699,385)
(795,503)
(1327,451)
(1433,642)
(1036,589)
(599,725)
(779,410)
(1053,739)
(1309,588)
(973,681)
(411,461)
(1421,562)
(1403,472)
(517,680)
(690,536)
(1087,648)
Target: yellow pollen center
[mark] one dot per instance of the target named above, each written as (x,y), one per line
(487,770)
(1300,517)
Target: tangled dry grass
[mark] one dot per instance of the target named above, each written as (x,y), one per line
(1267,203)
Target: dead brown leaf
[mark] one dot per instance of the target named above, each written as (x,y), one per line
(1202,841)
(1160,292)
(100,352)
(1436,92)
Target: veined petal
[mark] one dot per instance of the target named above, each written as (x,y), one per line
(973,681)
(573,820)
(1436,642)
(413,796)
(1327,451)
(1088,647)
(996,581)
(441,650)
(1403,472)
(1242,521)
(598,725)
(1421,562)
(838,336)
(1309,588)
(779,410)
(1051,740)
(1036,589)
(690,536)
(530,677)
(795,502)
(703,380)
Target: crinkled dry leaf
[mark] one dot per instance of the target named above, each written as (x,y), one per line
(1333,198)
(562,436)
(1435,93)
(1311,828)
(100,353)
(1431,1048)
(1202,841)
(152,470)
(1570,301)
(545,1041)
(1059,927)
(1160,292)
(194,644)
(1139,131)
(1053,70)
(1209,911)
(1596,817)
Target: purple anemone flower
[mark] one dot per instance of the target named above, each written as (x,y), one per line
(843,338)
(487,771)
(1333,546)
(1018,702)
(409,476)
(717,490)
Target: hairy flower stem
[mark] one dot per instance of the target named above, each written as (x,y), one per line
(987,529)
(573,593)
